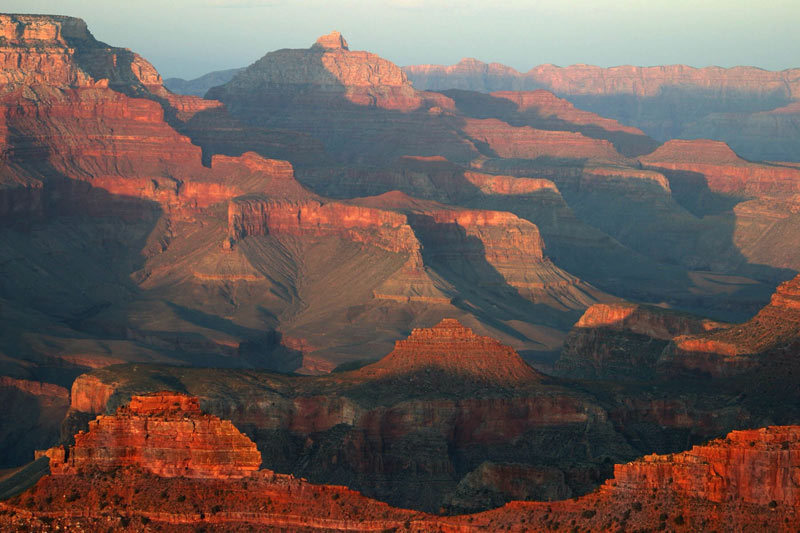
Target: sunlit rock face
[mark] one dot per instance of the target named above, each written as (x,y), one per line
(163,433)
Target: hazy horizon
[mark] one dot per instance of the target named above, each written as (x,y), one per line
(188,38)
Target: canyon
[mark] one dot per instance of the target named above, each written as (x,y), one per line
(324,292)
(746,107)
(706,487)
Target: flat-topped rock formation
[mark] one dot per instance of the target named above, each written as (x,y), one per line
(164,433)
(262,216)
(714,165)
(543,110)
(525,142)
(455,349)
(329,66)
(744,482)
(757,466)
(740,105)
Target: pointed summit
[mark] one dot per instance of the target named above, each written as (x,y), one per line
(332,41)
(457,350)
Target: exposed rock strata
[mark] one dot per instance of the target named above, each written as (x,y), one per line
(163,433)
(742,347)
(746,482)
(451,347)
(624,341)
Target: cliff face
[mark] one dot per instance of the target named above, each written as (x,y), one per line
(83,111)
(756,466)
(163,433)
(361,107)
(542,110)
(745,482)
(714,165)
(30,418)
(329,68)
(742,347)
(749,108)
(525,142)
(443,402)
(384,229)
(624,341)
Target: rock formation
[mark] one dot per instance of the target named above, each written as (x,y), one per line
(30,418)
(164,433)
(454,349)
(747,107)
(524,142)
(624,341)
(712,164)
(545,111)
(746,482)
(443,402)
(744,346)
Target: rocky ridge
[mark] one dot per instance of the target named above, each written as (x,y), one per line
(163,433)
(740,348)
(722,484)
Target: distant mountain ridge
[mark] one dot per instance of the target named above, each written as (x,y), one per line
(199,86)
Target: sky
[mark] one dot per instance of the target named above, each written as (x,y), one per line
(188,38)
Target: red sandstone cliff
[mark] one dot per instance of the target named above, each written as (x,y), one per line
(528,143)
(745,482)
(619,341)
(163,433)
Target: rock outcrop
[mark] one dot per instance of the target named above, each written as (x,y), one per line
(543,110)
(30,418)
(361,106)
(524,142)
(747,107)
(742,347)
(713,165)
(756,466)
(261,216)
(163,433)
(456,350)
(408,428)
(624,341)
(746,482)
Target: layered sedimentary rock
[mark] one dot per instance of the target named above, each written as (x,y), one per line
(408,428)
(497,249)
(713,165)
(525,142)
(624,341)
(451,347)
(742,347)
(163,433)
(769,135)
(745,482)
(753,466)
(747,107)
(330,67)
(384,229)
(30,417)
(362,107)
(545,111)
